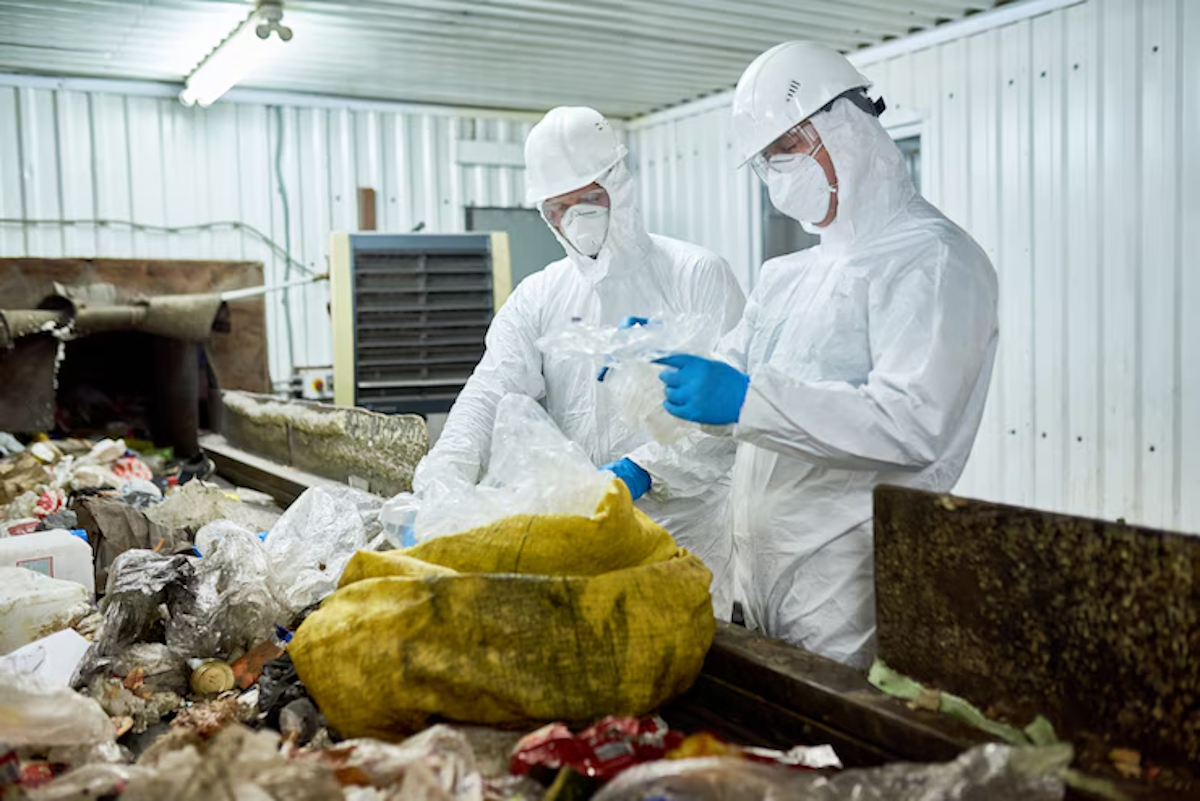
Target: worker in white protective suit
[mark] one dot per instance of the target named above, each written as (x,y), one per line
(864,360)
(614,269)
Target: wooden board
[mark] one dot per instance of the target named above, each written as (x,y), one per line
(238,358)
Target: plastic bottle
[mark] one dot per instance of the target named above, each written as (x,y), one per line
(397,516)
(58,554)
(33,606)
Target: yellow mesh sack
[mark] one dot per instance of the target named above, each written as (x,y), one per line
(531,618)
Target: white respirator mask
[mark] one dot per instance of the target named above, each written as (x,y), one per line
(585,226)
(802,192)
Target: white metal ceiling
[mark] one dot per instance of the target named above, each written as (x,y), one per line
(625,57)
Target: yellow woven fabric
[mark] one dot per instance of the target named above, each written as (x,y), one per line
(531,618)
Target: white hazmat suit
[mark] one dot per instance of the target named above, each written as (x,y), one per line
(634,274)
(869,359)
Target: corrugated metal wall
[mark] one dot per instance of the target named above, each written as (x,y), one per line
(71,155)
(1067,145)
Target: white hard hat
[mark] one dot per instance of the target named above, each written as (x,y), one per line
(785,86)
(570,148)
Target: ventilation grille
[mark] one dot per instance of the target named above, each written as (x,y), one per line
(420,319)
(793,87)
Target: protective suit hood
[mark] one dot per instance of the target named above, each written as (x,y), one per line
(873,181)
(627,243)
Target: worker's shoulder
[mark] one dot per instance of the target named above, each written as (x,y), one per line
(527,297)
(687,255)
(785,267)
(927,237)
(552,272)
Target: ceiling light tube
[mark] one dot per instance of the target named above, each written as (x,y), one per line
(249,46)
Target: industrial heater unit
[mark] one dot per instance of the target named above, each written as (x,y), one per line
(410,312)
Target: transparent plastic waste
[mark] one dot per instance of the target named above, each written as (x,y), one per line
(439,763)
(199,607)
(625,356)
(108,752)
(236,602)
(157,667)
(141,487)
(398,516)
(97,780)
(986,773)
(144,588)
(534,469)
(36,710)
(310,545)
(236,763)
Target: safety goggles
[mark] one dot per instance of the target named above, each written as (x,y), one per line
(556,207)
(787,152)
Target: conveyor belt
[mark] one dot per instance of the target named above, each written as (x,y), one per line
(753,689)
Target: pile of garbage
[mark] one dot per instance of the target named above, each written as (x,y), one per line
(145,625)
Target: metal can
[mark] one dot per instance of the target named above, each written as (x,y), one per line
(210,676)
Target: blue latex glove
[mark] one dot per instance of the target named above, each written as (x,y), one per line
(637,479)
(703,390)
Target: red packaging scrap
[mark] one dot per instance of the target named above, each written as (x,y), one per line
(36,774)
(15,528)
(128,467)
(52,501)
(601,751)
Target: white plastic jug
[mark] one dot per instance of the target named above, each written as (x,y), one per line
(33,606)
(58,554)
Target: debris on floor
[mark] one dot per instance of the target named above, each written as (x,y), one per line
(155,660)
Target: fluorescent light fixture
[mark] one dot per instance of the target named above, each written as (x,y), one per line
(249,46)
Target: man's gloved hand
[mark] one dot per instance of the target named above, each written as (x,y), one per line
(703,390)
(637,479)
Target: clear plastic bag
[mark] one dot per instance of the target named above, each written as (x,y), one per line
(437,764)
(398,516)
(986,773)
(143,586)
(534,469)
(236,763)
(160,668)
(625,358)
(41,712)
(96,780)
(310,545)
(236,604)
